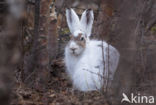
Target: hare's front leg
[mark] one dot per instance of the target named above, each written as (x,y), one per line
(85,80)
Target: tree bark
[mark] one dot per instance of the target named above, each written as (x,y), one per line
(129,33)
(44,49)
(9,51)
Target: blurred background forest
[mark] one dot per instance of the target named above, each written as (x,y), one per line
(33,34)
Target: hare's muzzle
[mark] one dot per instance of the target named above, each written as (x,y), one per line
(73,50)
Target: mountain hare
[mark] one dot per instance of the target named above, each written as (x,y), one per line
(88,62)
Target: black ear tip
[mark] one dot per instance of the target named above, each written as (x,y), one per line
(68,8)
(88,10)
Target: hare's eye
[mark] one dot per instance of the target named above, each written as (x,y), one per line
(82,38)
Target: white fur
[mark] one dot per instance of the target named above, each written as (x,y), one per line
(86,67)
(78,48)
(83,25)
(73,24)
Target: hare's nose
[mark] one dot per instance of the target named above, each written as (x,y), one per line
(73,49)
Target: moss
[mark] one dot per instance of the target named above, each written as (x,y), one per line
(153,29)
(64,31)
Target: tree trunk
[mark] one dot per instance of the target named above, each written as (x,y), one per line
(44,48)
(9,51)
(130,34)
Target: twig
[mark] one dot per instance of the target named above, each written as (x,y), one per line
(94,73)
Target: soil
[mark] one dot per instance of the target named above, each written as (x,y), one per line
(59,92)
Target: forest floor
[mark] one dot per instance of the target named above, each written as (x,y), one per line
(60,92)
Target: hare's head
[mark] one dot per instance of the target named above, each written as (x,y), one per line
(80,30)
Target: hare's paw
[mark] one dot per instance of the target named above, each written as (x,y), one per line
(86,81)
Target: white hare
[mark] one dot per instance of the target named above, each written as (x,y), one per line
(86,60)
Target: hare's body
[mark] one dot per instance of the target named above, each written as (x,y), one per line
(87,60)
(86,71)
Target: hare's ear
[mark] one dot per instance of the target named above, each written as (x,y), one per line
(72,20)
(86,21)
